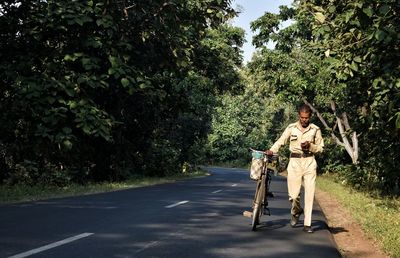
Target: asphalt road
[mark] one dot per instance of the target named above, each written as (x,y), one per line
(195,218)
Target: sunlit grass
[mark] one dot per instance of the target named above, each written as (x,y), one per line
(378,216)
(19,193)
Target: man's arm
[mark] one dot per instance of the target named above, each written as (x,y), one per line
(281,141)
(318,145)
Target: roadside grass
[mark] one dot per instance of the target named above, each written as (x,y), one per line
(22,193)
(378,216)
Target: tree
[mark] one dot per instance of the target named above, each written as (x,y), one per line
(359,38)
(251,119)
(95,90)
(351,42)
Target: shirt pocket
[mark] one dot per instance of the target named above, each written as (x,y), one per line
(310,136)
(293,138)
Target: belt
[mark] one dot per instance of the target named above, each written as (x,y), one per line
(301,155)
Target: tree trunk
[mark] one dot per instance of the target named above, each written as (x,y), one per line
(345,131)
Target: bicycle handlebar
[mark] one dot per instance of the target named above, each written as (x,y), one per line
(264,152)
(273,157)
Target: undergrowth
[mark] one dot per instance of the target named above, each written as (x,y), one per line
(378,216)
(19,192)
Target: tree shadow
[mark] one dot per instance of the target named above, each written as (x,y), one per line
(274,224)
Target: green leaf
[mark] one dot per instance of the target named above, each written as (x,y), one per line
(67,130)
(380,35)
(79,21)
(377,81)
(85,61)
(81,79)
(384,9)
(69,58)
(113,60)
(368,11)
(320,17)
(354,66)
(51,100)
(67,144)
(349,15)
(332,9)
(73,57)
(86,129)
(72,104)
(70,92)
(357,59)
(111,71)
(125,82)
(99,22)
(398,120)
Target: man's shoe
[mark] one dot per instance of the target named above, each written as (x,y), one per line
(295,218)
(308,229)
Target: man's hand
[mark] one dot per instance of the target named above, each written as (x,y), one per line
(305,146)
(269,152)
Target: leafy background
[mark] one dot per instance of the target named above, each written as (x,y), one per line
(105,91)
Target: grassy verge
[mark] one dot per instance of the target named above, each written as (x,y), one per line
(19,193)
(379,217)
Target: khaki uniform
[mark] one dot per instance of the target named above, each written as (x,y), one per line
(301,168)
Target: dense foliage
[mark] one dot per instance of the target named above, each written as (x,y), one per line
(102,90)
(252,119)
(344,61)
(342,58)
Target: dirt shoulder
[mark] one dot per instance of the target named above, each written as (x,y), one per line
(348,234)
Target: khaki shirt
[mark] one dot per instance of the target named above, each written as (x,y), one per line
(293,133)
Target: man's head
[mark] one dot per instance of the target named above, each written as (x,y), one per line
(305,113)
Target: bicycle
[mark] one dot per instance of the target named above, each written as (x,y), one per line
(260,201)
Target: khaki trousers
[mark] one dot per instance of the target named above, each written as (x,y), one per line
(302,170)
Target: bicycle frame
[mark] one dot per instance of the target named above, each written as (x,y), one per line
(260,201)
(263,187)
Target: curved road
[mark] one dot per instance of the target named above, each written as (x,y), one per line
(194,218)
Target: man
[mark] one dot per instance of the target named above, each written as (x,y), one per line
(305,140)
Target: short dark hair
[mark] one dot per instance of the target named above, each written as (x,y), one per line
(305,108)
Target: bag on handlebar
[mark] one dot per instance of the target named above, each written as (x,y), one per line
(257,164)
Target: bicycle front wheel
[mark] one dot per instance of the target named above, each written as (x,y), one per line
(257,209)
(255,219)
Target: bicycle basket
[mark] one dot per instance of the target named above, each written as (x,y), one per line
(257,164)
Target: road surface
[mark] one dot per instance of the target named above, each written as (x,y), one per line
(199,217)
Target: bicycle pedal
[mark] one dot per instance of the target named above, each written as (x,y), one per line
(267,212)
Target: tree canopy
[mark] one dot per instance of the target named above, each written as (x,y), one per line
(101,90)
(104,90)
(343,61)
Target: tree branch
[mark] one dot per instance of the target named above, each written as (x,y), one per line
(345,121)
(335,138)
(342,123)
